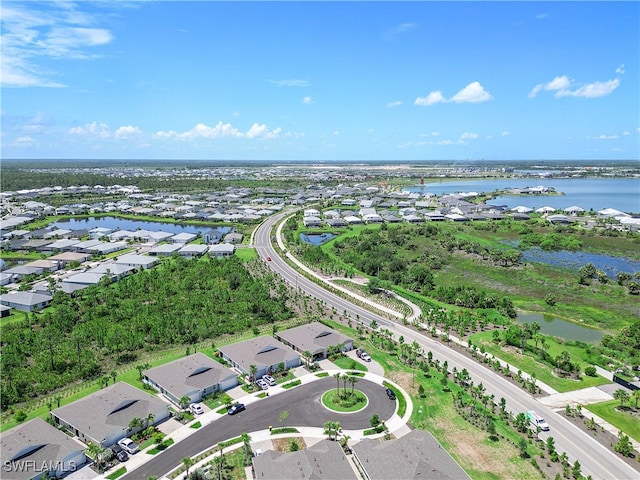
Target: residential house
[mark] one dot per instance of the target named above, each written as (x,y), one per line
(194,376)
(316,338)
(104,416)
(414,455)
(137,261)
(265,352)
(36,449)
(222,250)
(26,301)
(325,459)
(193,250)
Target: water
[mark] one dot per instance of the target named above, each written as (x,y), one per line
(623,194)
(575,260)
(557,327)
(316,238)
(115,223)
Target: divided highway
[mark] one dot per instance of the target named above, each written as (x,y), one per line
(595,459)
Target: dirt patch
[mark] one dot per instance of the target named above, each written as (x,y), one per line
(284,444)
(470,447)
(405,380)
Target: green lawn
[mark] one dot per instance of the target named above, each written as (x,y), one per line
(246,254)
(543,372)
(620,419)
(348,363)
(118,473)
(330,400)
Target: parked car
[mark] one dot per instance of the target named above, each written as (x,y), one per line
(363,355)
(120,454)
(238,407)
(129,446)
(391,394)
(196,409)
(262,384)
(269,379)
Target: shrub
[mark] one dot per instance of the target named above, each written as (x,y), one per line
(590,371)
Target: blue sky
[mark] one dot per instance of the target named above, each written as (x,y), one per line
(320,80)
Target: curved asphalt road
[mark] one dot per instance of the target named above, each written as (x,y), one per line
(595,459)
(303,405)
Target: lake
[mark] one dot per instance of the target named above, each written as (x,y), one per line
(557,327)
(575,260)
(623,194)
(115,223)
(316,238)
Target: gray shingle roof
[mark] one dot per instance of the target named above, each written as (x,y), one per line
(32,444)
(415,455)
(195,372)
(262,351)
(314,337)
(323,461)
(101,413)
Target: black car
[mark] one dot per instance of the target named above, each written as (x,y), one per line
(238,407)
(391,394)
(121,455)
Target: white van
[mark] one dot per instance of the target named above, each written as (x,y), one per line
(537,421)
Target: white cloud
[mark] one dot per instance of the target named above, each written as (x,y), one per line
(398,30)
(442,142)
(125,132)
(24,141)
(308,100)
(161,134)
(435,134)
(394,104)
(336,132)
(506,133)
(542,16)
(34,31)
(620,70)
(92,129)
(625,133)
(293,82)
(606,137)
(222,130)
(261,131)
(431,99)
(591,90)
(564,87)
(472,93)
(469,136)
(202,130)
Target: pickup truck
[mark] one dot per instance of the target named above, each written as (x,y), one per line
(537,421)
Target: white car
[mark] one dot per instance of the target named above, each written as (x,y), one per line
(129,446)
(262,384)
(196,409)
(269,379)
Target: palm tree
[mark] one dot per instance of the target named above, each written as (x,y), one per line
(353,381)
(253,369)
(150,418)
(96,452)
(113,374)
(307,357)
(187,462)
(337,376)
(185,400)
(636,396)
(135,423)
(622,395)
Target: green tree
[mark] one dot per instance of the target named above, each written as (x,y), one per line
(375,420)
(624,445)
(246,442)
(253,369)
(188,463)
(576,470)
(622,395)
(185,400)
(522,447)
